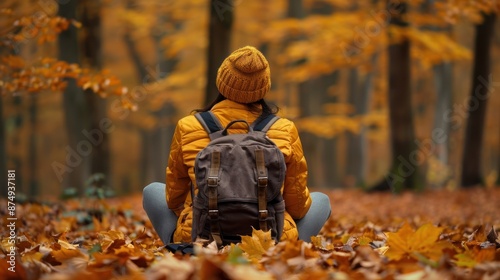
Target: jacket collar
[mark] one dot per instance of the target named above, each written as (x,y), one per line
(229,104)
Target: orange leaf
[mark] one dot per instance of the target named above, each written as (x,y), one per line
(67,251)
(409,243)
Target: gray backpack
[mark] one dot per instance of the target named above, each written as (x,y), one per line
(239,178)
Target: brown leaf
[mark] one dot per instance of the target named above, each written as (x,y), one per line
(493,237)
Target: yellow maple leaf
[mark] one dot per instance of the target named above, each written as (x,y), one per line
(422,243)
(257,244)
(465,259)
(66,251)
(364,240)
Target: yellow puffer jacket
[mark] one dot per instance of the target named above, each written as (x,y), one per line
(190,137)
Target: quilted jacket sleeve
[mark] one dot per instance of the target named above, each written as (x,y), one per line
(295,192)
(177,174)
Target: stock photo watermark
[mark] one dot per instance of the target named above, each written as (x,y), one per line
(75,156)
(10,221)
(455,117)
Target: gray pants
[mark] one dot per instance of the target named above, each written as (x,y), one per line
(164,220)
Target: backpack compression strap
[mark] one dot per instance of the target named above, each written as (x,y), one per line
(262,179)
(213,210)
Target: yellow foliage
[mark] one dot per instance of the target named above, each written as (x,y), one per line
(338,108)
(257,244)
(66,251)
(431,48)
(320,242)
(453,10)
(329,126)
(407,242)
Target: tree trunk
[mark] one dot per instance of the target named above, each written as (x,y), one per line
(163,133)
(443,77)
(219,40)
(404,171)
(443,80)
(321,153)
(160,136)
(295,9)
(357,146)
(33,159)
(75,168)
(3,150)
(400,115)
(92,58)
(481,88)
(498,156)
(154,149)
(310,102)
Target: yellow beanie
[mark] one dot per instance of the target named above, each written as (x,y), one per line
(244,76)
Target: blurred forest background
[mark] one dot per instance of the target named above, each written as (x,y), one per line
(387,95)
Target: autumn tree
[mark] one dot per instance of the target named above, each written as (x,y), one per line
(28,76)
(74,103)
(360,92)
(3,152)
(219,34)
(100,158)
(360,97)
(311,97)
(481,89)
(432,48)
(351,36)
(313,94)
(169,70)
(403,172)
(154,138)
(498,161)
(324,43)
(443,85)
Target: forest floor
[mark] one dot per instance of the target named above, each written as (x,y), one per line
(430,235)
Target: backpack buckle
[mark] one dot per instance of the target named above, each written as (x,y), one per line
(263,214)
(213,214)
(262,181)
(213,181)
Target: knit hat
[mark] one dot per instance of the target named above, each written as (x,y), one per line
(244,76)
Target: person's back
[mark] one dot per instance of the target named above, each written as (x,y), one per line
(243,81)
(192,138)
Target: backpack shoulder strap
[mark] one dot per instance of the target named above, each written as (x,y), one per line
(264,124)
(209,122)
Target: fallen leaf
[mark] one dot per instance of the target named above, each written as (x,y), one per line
(493,237)
(422,243)
(257,244)
(170,268)
(320,243)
